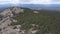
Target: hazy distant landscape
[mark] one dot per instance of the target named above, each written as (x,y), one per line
(47,6)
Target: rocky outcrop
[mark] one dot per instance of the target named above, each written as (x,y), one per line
(8,19)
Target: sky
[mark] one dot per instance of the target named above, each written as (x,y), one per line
(29,1)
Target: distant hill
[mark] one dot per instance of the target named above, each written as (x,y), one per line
(41,10)
(51,6)
(46,6)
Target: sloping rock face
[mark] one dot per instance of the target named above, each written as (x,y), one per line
(9,11)
(17,10)
(7,19)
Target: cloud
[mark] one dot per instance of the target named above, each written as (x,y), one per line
(37,2)
(55,1)
(30,1)
(40,2)
(25,0)
(9,1)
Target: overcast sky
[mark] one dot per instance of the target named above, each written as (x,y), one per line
(30,1)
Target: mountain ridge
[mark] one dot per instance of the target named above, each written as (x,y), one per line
(43,6)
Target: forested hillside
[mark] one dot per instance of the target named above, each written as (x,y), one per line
(44,22)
